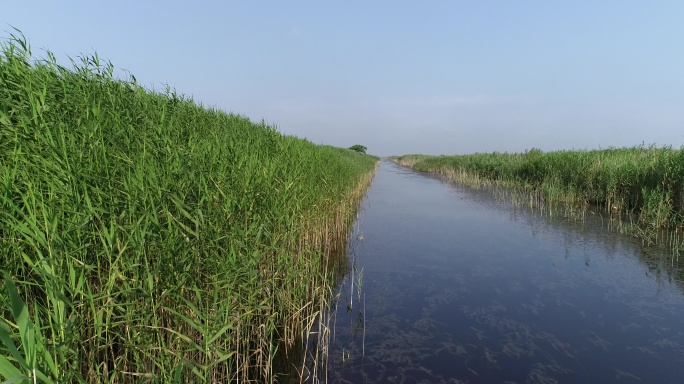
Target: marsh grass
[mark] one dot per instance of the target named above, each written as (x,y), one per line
(642,186)
(145,238)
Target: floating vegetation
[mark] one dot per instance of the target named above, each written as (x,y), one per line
(553,341)
(666,343)
(515,348)
(622,375)
(452,348)
(490,356)
(425,324)
(598,341)
(479,333)
(538,376)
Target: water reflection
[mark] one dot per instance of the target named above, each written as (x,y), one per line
(458,286)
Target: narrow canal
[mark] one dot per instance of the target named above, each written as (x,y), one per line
(451,285)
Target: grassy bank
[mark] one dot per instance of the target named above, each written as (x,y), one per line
(146,238)
(646,182)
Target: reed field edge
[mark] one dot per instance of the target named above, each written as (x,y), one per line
(643,182)
(146,238)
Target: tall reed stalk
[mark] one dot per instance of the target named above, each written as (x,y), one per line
(146,238)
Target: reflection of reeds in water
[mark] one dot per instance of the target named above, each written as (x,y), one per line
(319,335)
(652,213)
(644,181)
(345,335)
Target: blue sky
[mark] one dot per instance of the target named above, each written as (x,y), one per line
(434,77)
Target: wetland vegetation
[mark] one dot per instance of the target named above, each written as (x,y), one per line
(642,185)
(144,237)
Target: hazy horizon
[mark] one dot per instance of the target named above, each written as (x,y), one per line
(399,77)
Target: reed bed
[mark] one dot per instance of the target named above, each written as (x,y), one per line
(146,238)
(642,182)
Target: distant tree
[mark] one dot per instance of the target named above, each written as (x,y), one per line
(358,148)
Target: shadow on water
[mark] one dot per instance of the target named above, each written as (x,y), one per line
(454,285)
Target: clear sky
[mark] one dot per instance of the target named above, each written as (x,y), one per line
(433,77)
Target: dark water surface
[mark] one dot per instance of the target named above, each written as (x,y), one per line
(457,286)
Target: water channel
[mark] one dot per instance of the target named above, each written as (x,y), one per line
(452,285)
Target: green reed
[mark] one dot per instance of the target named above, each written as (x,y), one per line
(646,182)
(146,238)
